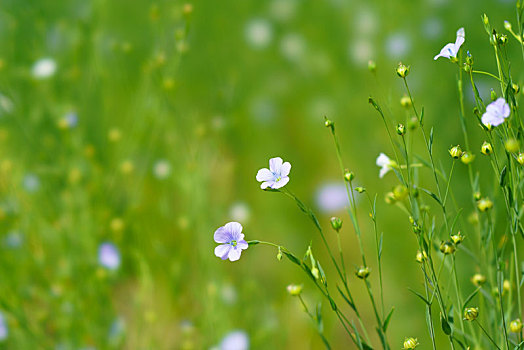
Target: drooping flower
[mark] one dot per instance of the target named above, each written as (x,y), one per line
(233,241)
(235,340)
(108,256)
(451,50)
(496,112)
(385,164)
(44,68)
(276,176)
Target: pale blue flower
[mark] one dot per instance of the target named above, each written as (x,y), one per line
(235,340)
(496,112)
(276,176)
(4,331)
(233,241)
(332,197)
(452,49)
(31,183)
(109,256)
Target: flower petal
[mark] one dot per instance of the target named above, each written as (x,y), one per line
(242,244)
(492,119)
(383,160)
(285,169)
(267,184)
(264,175)
(275,164)
(222,235)
(234,228)
(234,253)
(279,184)
(383,171)
(222,251)
(461,37)
(447,51)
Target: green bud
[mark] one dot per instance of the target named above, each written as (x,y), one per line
(362,272)
(493,95)
(455,152)
(279,254)
(362,189)
(336,223)
(507,25)
(372,66)
(349,175)
(402,70)
(401,129)
(447,248)
(410,344)
(471,314)
(511,145)
(328,123)
(294,289)
(486,148)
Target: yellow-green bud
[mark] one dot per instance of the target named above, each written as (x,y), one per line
(515,88)
(372,66)
(401,129)
(405,101)
(471,314)
(455,152)
(421,256)
(447,248)
(493,95)
(416,229)
(476,196)
(520,158)
(410,344)
(390,198)
(467,157)
(328,123)
(336,223)
(294,289)
(402,70)
(315,272)
(478,279)
(507,25)
(484,204)
(506,286)
(400,192)
(362,272)
(502,39)
(467,68)
(515,326)
(486,148)
(360,189)
(511,145)
(349,175)
(279,254)
(412,123)
(485,19)
(457,238)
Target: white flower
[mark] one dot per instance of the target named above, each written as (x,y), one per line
(162,169)
(496,112)
(239,211)
(236,340)
(259,33)
(452,49)
(332,197)
(44,68)
(276,176)
(385,164)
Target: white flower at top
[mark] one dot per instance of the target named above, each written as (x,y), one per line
(496,112)
(276,176)
(385,164)
(452,49)
(44,68)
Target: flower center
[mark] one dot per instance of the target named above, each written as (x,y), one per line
(278,179)
(233,243)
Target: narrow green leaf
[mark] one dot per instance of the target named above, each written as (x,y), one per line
(388,318)
(502,181)
(420,296)
(433,195)
(468,299)
(293,258)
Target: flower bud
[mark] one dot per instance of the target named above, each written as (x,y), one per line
(502,39)
(405,101)
(486,148)
(362,272)
(447,248)
(484,204)
(416,229)
(390,198)
(507,25)
(469,59)
(410,344)
(467,158)
(401,129)
(467,68)
(421,256)
(515,88)
(336,223)
(471,314)
(506,286)
(328,123)
(515,326)
(477,196)
(455,152)
(493,95)
(315,272)
(372,66)
(349,175)
(485,19)
(360,189)
(402,70)
(511,145)
(457,238)
(294,289)
(187,9)
(478,279)
(400,192)
(279,254)
(520,158)
(412,123)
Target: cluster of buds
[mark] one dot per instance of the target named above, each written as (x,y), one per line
(471,313)
(447,248)
(362,272)
(455,152)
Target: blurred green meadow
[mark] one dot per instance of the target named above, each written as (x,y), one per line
(142,124)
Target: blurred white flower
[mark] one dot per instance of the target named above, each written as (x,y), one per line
(31,183)
(283,10)
(263,109)
(293,47)
(6,105)
(361,51)
(229,294)
(13,239)
(398,45)
(162,169)
(109,256)
(365,22)
(4,331)
(259,33)
(432,28)
(235,340)
(44,68)
(240,212)
(332,197)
